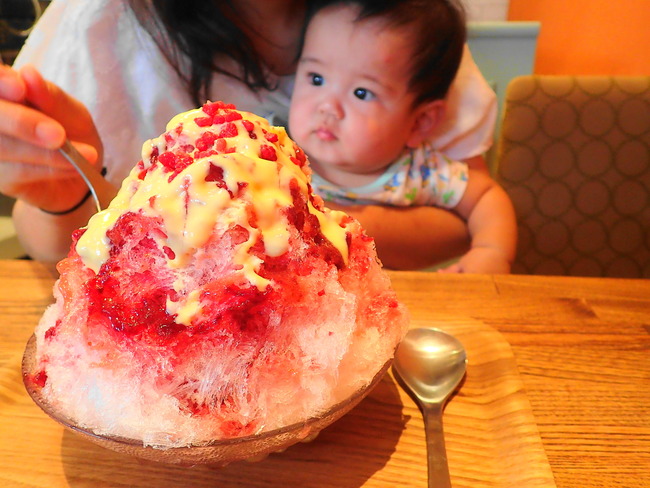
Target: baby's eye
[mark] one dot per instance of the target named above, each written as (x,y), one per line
(363,94)
(316,79)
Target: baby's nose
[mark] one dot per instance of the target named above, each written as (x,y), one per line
(331,106)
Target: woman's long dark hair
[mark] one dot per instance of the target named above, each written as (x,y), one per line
(194,35)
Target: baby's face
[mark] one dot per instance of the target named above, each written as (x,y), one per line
(351,107)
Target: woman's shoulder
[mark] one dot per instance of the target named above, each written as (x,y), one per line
(72,30)
(66,18)
(470,118)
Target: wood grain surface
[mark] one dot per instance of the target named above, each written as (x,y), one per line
(579,376)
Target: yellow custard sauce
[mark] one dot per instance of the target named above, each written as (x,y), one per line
(254,155)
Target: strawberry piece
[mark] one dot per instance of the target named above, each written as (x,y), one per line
(203,121)
(168,160)
(271,136)
(205,154)
(221,145)
(268,152)
(229,130)
(215,175)
(211,108)
(206,140)
(233,116)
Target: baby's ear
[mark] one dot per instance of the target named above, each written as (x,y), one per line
(427,117)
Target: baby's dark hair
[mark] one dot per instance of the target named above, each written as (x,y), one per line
(438,29)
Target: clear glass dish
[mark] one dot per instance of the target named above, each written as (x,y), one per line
(218,452)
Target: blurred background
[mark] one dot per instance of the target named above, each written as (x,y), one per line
(16,19)
(576,37)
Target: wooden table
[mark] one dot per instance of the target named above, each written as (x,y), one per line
(582,350)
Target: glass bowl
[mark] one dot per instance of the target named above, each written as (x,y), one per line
(218,452)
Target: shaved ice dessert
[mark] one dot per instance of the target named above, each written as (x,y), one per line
(216,297)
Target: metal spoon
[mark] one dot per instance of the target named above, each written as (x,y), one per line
(430,365)
(83,167)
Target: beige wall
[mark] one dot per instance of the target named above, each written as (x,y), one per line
(586,37)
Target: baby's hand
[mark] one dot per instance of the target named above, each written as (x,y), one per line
(487,260)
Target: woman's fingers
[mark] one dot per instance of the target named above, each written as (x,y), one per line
(12,87)
(57,104)
(36,116)
(29,125)
(16,151)
(20,121)
(39,112)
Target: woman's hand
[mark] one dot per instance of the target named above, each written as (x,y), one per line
(35,118)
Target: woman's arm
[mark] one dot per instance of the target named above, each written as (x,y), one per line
(46,237)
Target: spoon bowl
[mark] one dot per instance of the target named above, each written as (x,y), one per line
(430,364)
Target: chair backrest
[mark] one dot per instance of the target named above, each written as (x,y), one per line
(574,156)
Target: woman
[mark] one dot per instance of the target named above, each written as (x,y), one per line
(128,67)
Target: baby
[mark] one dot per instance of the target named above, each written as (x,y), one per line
(370,89)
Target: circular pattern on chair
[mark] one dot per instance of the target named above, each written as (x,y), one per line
(525,239)
(594,158)
(549,267)
(556,160)
(624,267)
(586,266)
(523,89)
(630,197)
(582,190)
(552,238)
(556,87)
(626,236)
(554,199)
(589,236)
(634,117)
(597,117)
(634,85)
(525,161)
(559,119)
(592,197)
(594,86)
(525,130)
(524,201)
(632,158)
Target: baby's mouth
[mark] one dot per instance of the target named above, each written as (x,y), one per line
(325,134)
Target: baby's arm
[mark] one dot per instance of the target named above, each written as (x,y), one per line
(415,237)
(492,225)
(411,237)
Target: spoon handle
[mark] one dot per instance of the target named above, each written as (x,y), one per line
(84,169)
(436,451)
